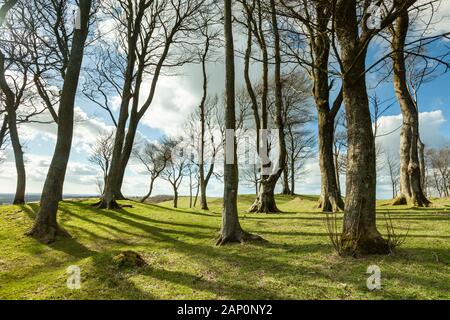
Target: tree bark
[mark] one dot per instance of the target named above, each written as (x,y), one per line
(360,234)
(19,197)
(286,189)
(231,230)
(330,197)
(144,198)
(46,227)
(175,197)
(410,175)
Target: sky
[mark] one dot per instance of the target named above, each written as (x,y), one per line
(177,96)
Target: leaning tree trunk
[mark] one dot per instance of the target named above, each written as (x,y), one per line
(46,227)
(149,193)
(360,234)
(231,230)
(11,117)
(410,175)
(19,197)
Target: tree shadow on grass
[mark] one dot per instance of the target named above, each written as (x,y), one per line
(68,245)
(123,216)
(244,262)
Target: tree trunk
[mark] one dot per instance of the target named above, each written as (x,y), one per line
(196,196)
(3,131)
(11,117)
(265,202)
(19,197)
(144,198)
(330,197)
(360,234)
(292,178)
(175,197)
(203,199)
(46,227)
(231,230)
(286,189)
(410,175)
(422,167)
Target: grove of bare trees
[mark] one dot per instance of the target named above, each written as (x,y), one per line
(302,96)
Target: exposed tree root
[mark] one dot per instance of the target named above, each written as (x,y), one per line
(111,205)
(365,246)
(264,206)
(47,234)
(419,201)
(238,237)
(331,204)
(400,200)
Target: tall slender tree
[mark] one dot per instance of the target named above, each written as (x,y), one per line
(11,105)
(231,230)
(411,188)
(46,227)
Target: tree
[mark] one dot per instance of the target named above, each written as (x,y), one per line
(296,115)
(210,39)
(316,16)
(12,102)
(438,160)
(231,230)
(46,227)
(258,15)
(154,157)
(176,168)
(393,169)
(354,34)
(410,176)
(154,36)
(100,155)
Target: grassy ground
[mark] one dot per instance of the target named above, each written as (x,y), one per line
(298,261)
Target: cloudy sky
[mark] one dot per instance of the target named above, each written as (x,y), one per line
(176,97)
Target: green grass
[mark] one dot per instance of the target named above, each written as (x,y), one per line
(297,262)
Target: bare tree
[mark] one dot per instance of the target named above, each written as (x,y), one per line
(258,16)
(154,157)
(46,227)
(13,98)
(393,169)
(297,114)
(438,160)
(154,37)
(176,168)
(231,230)
(410,177)
(101,154)
(310,21)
